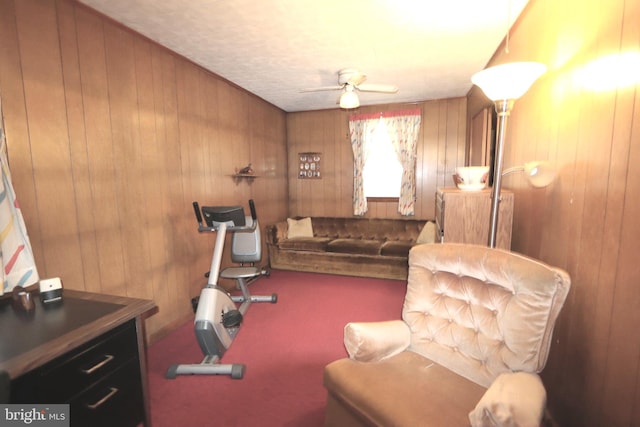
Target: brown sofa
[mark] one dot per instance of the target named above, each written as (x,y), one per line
(476,329)
(348,246)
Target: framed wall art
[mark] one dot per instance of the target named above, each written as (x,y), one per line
(309,166)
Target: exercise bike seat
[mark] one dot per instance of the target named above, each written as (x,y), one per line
(240,272)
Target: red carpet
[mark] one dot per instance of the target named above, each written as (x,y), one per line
(284,346)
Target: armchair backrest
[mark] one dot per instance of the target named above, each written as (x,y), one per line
(480,311)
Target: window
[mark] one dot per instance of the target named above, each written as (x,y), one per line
(382,172)
(374,140)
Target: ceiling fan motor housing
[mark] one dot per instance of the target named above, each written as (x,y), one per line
(351,76)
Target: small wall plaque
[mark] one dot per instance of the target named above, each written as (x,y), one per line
(309,166)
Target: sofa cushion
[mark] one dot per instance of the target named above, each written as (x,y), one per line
(404,390)
(396,248)
(427,234)
(313,244)
(355,246)
(299,228)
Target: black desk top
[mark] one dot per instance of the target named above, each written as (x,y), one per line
(30,339)
(28,330)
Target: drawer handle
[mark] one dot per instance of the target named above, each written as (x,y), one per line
(107,358)
(99,403)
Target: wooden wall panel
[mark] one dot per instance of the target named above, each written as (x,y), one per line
(111,138)
(441,149)
(89,265)
(584,222)
(100,158)
(50,154)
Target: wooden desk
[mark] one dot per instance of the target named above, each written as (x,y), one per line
(87,349)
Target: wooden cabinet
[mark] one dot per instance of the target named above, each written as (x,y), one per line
(464,216)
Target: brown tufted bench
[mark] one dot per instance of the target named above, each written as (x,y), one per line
(348,246)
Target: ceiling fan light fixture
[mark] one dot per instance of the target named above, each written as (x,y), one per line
(349,99)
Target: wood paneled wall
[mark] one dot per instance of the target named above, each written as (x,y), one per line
(441,149)
(587,221)
(111,138)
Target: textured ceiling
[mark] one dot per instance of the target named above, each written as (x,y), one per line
(275,48)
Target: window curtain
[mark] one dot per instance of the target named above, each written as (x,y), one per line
(361,130)
(16,256)
(403,128)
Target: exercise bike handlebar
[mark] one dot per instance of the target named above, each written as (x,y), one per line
(202,227)
(196,209)
(252,207)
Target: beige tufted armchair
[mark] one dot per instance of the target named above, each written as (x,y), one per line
(476,329)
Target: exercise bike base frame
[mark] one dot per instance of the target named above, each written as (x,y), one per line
(209,366)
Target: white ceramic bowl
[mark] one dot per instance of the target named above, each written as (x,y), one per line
(472,177)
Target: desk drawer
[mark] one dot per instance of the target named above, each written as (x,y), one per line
(116,400)
(62,378)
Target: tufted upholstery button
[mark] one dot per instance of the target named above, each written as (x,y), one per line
(455,349)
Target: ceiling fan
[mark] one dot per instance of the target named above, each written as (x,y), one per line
(349,80)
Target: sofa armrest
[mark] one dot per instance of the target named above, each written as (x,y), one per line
(276,232)
(513,399)
(374,341)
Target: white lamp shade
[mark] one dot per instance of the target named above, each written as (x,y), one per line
(349,99)
(508,81)
(540,174)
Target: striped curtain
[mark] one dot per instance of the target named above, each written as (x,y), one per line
(16,256)
(403,127)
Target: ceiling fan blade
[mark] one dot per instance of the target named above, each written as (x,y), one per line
(372,87)
(357,78)
(321,88)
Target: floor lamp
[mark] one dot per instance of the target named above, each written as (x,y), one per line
(503,84)
(538,174)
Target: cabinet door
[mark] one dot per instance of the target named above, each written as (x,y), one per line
(464,217)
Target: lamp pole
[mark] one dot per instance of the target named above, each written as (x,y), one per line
(503,109)
(503,84)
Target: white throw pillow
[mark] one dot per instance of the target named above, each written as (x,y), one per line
(299,228)
(428,233)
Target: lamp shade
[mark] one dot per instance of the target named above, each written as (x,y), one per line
(349,98)
(508,81)
(540,174)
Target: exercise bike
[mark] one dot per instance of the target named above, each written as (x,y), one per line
(218,318)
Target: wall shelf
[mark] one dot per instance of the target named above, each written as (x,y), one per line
(237,177)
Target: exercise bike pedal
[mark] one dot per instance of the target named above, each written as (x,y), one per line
(231,319)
